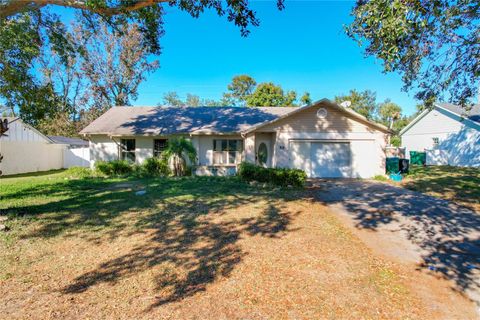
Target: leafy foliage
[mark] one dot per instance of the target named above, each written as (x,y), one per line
(389,112)
(115,63)
(276,176)
(156,167)
(79,172)
(363,102)
(113,168)
(270,95)
(305,99)
(48,68)
(240,89)
(433,45)
(179,150)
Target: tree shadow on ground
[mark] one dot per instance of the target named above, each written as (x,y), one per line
(455,183)
(447,234)
(188,234)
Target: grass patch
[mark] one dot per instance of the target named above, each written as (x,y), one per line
(459,184)
(91,248)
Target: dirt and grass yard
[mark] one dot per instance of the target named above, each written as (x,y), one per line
(193,248)
(459,184)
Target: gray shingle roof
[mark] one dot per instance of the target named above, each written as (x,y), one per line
(70,141)
(472,114)
(175,120)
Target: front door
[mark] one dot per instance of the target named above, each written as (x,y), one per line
(263,153)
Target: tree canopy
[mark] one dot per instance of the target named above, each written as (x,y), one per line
(46,66)
(433,45)
(243,91)
(363,102)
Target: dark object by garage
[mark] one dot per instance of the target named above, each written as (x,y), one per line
(404,165)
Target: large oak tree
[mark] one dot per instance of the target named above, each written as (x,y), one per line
(433,44)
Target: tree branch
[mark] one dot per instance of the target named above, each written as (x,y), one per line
(16,6)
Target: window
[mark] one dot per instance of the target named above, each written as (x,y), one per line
(127,149)
(158,146)
(435,142)
(226,151)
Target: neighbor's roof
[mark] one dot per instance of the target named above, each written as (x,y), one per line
(178,120)
(473,113)
(69,141)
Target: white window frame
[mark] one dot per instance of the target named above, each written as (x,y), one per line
(123,152)
(227,156)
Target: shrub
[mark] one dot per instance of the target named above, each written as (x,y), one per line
(156,167)
(277,176)
(380,177)
(113,168)
(79,172)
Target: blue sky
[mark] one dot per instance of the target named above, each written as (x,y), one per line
(302,48)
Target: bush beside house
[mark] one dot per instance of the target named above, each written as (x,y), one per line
(277,176)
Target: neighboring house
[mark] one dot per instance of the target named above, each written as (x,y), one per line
(449,134)
(25,149)
(323,139)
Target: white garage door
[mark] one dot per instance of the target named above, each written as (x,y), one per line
(320,159)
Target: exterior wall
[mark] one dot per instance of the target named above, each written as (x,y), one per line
(459,144)
(249,145)
(105,149)
(102,148)
(18,131)
(143,148)
(308,121)
(30,156)
(433,125)
(205,147)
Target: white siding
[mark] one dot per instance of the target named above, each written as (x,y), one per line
(433,125)
(102,148)
(459,145)
(143,148)
(18,131)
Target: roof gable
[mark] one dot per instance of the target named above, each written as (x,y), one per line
(348,113)
(469,117)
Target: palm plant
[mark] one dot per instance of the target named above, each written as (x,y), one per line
(177,150)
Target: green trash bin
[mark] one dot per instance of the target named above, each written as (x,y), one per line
(392,165)
(418,158)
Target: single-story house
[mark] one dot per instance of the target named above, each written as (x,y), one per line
(323,139)
(449,134)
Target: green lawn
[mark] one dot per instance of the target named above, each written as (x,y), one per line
(194,248)
(458,184)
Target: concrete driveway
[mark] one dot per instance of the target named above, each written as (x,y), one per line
(411,227)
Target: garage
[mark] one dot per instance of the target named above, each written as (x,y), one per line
(321,159)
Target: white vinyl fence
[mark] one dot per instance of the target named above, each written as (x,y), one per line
(23,157)
(76,157)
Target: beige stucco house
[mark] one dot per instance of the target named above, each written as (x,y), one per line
(323,139)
